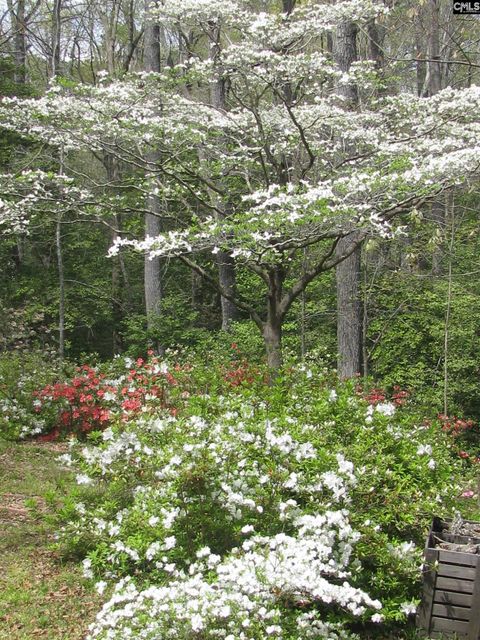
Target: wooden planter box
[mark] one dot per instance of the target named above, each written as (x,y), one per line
(451,586)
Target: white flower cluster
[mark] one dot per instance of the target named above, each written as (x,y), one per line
(260,476)
(245,591)
(29,192)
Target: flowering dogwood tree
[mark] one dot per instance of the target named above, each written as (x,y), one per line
(290,164)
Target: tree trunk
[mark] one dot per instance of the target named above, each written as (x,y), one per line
(226,275)
(111,165)
(345,53)
(152,267)
(17,20)
(133,37)
(434,64)
(225,262)
(421,67)
(110,35)
(153,287)
(56,35)
(272,335)
(349,311)
(376,36)
(434,85)
(61,289)
(117,306)
(348,272)
(376,39)
(151,43)
(196,290)
(288,6)
(272,328)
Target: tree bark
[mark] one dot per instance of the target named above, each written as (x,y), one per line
(349,312)
(152,280)
(17,20)
(111,165)
(434,64)
(225,262)
(348,272)
(272,335)
(345,53)
(227,279)
(61,289)
(56,38)
(376,36)
(272,328)
(152,267)
(288,6)
(421,67)
(110,25)
(434,85)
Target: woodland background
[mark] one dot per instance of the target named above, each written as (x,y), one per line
(194,461)
(409,306)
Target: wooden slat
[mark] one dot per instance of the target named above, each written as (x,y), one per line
(449,611)
(452,626)
(454,571)
(424,613)
(450,597)
(454,584)
(474,624)
(455,538)
(457,557)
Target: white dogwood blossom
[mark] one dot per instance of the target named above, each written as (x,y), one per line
(299,170)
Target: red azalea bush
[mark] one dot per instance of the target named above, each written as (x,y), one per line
(93,398)
(464,433)
(377,395)
(241,372)
(455,426)
(126,387)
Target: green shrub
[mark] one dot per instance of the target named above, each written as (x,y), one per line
(335,493)
(21,374)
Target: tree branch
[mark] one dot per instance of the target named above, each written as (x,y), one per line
(235,299)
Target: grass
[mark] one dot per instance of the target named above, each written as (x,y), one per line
(41,595)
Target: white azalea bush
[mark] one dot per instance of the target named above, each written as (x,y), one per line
(298,512)
(21,373)
(260,589)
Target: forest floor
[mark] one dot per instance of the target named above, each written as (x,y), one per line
(41,595)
